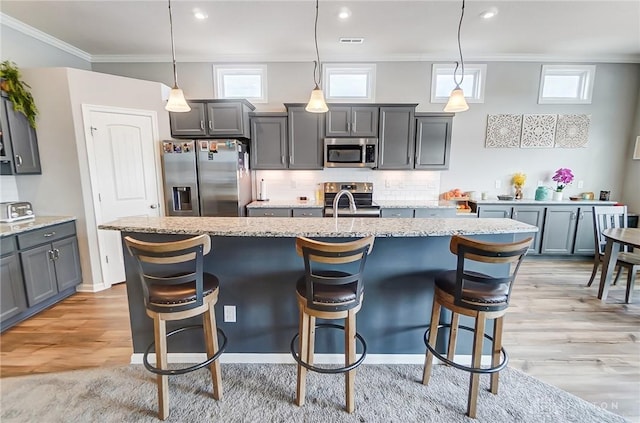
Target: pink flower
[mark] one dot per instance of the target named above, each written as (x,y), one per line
(563,177)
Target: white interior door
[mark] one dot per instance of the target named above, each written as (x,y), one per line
(126,179)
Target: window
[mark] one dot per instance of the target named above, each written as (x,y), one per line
(566,84)
(241,81)
(349,82)
(442,82)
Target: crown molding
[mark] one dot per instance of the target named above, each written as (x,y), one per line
(43,36)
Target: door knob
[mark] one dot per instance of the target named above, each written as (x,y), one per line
(154,206)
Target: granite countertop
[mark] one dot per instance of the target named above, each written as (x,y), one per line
(38,222)
(317,227)
(285,204)
(531,201)
(415,204)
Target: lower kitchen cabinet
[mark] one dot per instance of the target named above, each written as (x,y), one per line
(559,230)
(533,215)
(401,213)
(585,241)
(421,212)
(12,293)
(305,212)
(284,212)
(48,269)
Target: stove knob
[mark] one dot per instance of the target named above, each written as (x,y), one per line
(29,212)
(14,214)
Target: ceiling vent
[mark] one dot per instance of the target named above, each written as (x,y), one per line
(351,40)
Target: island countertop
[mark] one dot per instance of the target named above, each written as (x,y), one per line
(317,227)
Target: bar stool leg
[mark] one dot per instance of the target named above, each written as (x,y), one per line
(350,357)
(495,357)
(211,341)
(311,343)
(160,333)
(303,351)
(433,335)
(453,335)
(476,356)
(631,278)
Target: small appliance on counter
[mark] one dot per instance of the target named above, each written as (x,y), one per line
(16,210)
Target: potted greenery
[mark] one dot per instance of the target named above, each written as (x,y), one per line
(17,91)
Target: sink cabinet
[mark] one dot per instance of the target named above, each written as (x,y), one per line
(212,119)
(19,152)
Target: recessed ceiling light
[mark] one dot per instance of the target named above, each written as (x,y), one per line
(489,13)
(200,14)
(344,13)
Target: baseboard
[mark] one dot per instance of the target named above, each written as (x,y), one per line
(88,287)
(284,358)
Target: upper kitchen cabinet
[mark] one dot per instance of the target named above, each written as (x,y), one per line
(18,143)
(269,149)
(306,131)
(433,141)
(352,121)
(212,119)
(397,142)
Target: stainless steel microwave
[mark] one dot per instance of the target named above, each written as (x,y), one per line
(351,152)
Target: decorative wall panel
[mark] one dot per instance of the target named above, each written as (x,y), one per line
(538,131)
(503,131)
(572,131)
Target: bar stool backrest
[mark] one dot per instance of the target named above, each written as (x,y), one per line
(607,217)
(352,253)
(170,263)
(486,252)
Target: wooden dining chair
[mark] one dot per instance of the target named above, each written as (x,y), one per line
(607,217)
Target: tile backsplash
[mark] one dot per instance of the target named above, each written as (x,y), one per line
(8,188)
(387,184)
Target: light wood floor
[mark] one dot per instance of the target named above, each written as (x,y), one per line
(556,330)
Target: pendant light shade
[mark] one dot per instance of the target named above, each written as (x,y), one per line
(316,101)
(177,102)
(456,102)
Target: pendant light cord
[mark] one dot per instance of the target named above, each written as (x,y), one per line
(317,70)
(173,50)
(459,50)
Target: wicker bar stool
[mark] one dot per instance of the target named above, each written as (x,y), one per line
(330,294)
(477,295)
(175,287)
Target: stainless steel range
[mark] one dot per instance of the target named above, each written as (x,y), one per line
(362,193)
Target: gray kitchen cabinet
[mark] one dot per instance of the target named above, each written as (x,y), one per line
(269,212)
(212,119)
(400,213)
(494,211)
(352,121)
(12,295)
(585,241)
(19,142)
(269,148)
(306,131)
(433,141)
(533,215)
(396,143)
(559,230)
(435,212)
(307,212)
(50,261)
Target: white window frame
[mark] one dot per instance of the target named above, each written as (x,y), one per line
(220,71)
(369,69)
(586,73)
(477,71)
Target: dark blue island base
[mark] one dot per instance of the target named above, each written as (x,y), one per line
(258,275)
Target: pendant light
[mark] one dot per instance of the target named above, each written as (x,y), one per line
(457,102)
(316,101)
(176,102)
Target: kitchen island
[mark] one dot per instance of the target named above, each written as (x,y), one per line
(256,262)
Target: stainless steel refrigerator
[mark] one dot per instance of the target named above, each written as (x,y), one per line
(206,177)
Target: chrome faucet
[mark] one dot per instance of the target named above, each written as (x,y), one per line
(352,202)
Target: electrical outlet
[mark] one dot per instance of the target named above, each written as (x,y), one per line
(229,313)
(580,184)
(498,183)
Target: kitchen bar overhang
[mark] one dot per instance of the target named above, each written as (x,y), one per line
(256,262)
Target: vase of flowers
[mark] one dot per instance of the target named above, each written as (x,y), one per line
(563,177)
(518,181)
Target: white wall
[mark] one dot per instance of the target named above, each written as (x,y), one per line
(64,188)
(631,191)
(511,87)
